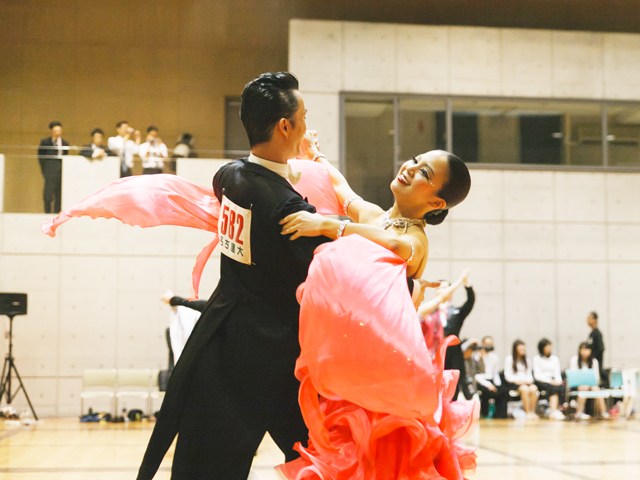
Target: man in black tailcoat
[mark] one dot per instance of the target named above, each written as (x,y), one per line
(235,378)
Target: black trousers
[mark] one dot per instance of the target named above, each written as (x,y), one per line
(151,171)
(501,397)
(52,192)
(551,390)
(221,425)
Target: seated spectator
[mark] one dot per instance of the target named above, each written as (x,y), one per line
(153,152)
(548,377)
(124,147)
(585,360)
(488,380)
(184,149)
(518,375)
(96,150)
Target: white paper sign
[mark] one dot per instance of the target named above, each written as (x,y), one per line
(234,227)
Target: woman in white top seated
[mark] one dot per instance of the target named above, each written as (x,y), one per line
(518,375)
(584,360)
(546,372)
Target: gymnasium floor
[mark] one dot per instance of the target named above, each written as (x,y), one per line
(66,449)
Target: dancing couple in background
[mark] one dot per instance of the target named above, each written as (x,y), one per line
(375,404)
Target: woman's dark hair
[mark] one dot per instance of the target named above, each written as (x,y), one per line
(590,360)
(96,130)
(54,124)
(542,344)
(516,358)
(265,100)
(453,192)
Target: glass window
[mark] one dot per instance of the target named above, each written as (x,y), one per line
(422,127)
(546,133)
(623,135)
(369,131)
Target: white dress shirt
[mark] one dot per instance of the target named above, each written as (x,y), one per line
(125,150)
(156,154)
(491,373)
(282,169)
(522,373)
(58,142)
(547,369)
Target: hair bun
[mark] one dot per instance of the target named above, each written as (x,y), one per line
(436,217)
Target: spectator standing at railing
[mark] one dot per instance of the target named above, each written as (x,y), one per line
(184,149)
(50,152)
(96,150)
(124,147)
(153,152)
(595,341)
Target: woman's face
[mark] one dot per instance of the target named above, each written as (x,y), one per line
(547,350)
(585,353)
(418,182)
(522,350)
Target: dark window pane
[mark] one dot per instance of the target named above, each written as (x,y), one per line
(541,139)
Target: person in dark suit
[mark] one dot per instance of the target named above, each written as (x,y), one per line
(235,378)
(49,153)
(96,150)
(452,319)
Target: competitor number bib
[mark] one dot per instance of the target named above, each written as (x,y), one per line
(234,226)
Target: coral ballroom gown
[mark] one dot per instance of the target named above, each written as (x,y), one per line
(377,405)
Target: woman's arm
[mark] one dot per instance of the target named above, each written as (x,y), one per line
(358,209)
(428,307)
(305,224)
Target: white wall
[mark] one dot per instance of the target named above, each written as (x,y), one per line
(94,296)
(545,247)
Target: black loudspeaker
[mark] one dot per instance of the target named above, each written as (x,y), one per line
(12,304)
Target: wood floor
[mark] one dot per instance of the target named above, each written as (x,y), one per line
(66,449)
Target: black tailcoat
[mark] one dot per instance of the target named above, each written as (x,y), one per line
(235,377)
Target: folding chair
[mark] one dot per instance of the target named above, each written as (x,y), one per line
(133,383)
(588,377)
(102,383)
(155,392)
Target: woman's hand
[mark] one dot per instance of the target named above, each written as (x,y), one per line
(309,147)
(303,224)
(423,284)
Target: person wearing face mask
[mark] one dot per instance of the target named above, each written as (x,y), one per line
(50,152)
(488,380)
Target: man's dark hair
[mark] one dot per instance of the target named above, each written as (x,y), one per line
(265,100)
(96,130)
(152,128)
(54,124)
(542,344)
(594,315)
(119,124)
